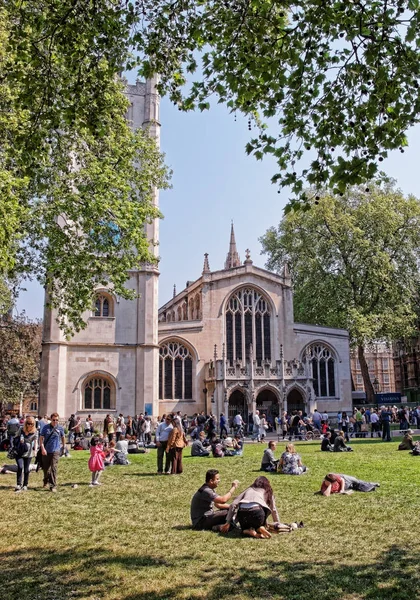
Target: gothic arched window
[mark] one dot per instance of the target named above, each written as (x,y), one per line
(103,306)
(322,363)
(98,393)
(248,322)
(175,372)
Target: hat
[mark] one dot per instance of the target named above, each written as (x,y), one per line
(409,431)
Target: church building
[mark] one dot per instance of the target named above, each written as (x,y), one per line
(226,343)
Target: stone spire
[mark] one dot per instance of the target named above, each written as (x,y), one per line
(232,258)
(174,294)
(206,266)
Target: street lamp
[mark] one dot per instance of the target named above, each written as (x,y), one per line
(375,384)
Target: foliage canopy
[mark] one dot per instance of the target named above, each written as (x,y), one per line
(73,200)
(340,79)
(354,262)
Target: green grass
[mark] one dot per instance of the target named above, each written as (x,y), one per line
(130,539)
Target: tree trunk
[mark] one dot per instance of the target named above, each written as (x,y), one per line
(370,393)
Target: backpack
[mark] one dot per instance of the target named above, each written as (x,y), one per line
(13,428)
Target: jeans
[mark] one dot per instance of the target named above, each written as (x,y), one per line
(23,465)
(161,452)
(217,518)
(386,432)
(49,466)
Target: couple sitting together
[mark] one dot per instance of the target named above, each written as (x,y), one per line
(218,447)
(289,463)
(336,445)
(250,510)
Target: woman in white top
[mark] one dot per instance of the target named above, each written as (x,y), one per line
(263,428)
(252,508)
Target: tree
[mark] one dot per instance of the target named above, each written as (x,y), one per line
(354,263)
(340,78)
(20,341)
(73,200)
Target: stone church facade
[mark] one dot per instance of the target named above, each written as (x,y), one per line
(226,343)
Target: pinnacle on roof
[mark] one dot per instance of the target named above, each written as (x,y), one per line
(232,258)
(206,266)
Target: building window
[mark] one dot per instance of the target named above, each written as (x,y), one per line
(385,364)
(175,372)
(34,406)
(359,379)
(98,394)
(248,322)
(323,370)
(103,306)
(385,378)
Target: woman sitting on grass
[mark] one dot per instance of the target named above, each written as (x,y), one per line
(252,508)
(340,444)
(335,483)
(290,462)
(407,441)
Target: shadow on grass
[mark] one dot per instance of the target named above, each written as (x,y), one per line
(394,575)
(95,573)
(71,573)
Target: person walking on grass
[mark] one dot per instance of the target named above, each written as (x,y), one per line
(28,442)
(51,442)
(96,460)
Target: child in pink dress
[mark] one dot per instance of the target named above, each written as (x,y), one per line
(96,460)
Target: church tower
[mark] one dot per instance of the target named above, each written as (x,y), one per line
(111,366)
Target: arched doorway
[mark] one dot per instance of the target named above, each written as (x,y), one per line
(238,404)
(295,401)
(267,403)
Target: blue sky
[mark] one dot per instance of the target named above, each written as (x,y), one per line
(214,181)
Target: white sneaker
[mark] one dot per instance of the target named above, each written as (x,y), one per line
(25,488)
(96,483)
(18,489)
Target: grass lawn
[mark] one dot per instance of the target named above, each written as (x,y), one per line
(130,538)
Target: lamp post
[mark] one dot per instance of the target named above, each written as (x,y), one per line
(375,384)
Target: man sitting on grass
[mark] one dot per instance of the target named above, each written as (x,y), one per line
(269,461)
(203,515)
(197,448)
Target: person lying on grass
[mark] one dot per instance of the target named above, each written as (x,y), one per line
(251,510)
(335,483)
(203,515)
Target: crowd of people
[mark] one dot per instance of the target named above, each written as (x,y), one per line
(110,443)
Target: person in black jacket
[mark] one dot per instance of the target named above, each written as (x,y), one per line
(326,443)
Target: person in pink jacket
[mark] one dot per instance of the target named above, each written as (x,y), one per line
(96,460)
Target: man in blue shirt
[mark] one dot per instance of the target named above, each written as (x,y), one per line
(386,417)
(162,435)
(51,442)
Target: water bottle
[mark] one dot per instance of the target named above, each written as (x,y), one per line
(22,439)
